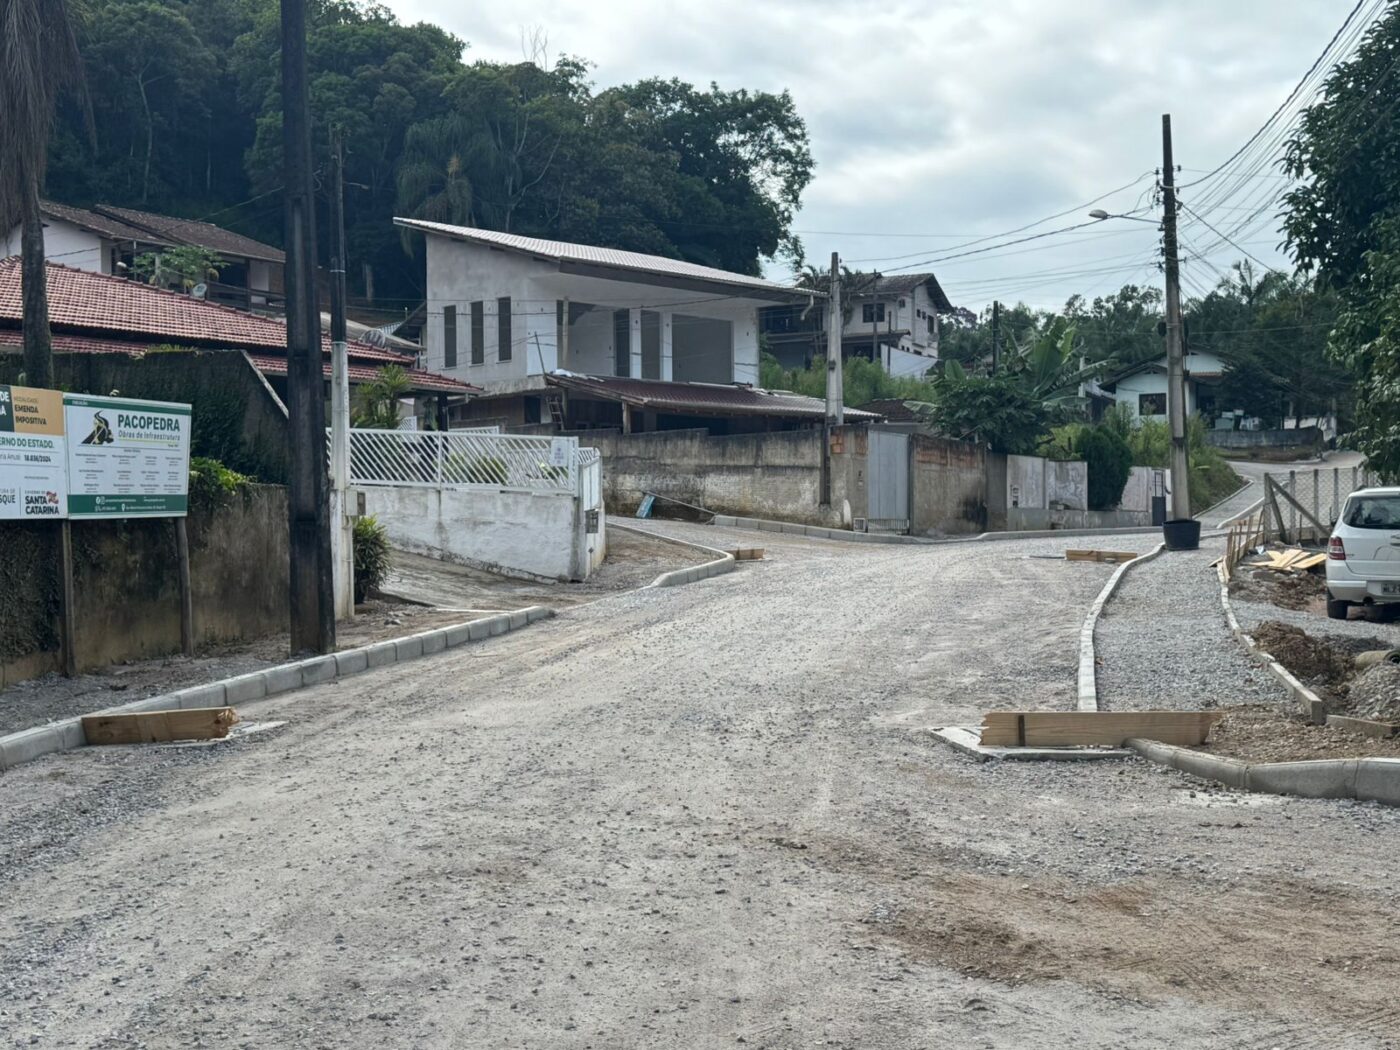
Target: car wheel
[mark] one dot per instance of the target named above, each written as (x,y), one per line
(1336,610)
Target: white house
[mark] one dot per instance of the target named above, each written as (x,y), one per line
(520,316)
(897,320)
(1143,388)
(893,321)
(106,239)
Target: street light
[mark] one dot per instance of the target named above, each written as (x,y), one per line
(1100,214)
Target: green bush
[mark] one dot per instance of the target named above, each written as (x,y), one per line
(1211,478)
(1110,461)
(212,484)
(371,556)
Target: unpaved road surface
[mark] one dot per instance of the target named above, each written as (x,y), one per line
(703,816)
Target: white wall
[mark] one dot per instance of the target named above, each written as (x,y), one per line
(523,534)
(1126,392)
(67,244)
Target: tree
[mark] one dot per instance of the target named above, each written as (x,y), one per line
(1121,328)
(995,410)
(1342,223)
(377,403)
(39,59)
(1110,462)
(182,267)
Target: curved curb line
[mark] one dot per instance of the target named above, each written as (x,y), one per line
(1310,704)
(822,532)
(1363,779)
(28,744)
(722,564)
(1088,679)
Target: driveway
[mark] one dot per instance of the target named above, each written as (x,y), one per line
(702,816)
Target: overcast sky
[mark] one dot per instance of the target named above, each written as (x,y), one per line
(933,123)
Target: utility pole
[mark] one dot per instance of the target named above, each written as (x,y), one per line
(996,336)
(835,408)
(1176,363)
(342,527)
(310,590)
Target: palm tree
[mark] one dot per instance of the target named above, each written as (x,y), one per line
(39,58)
(434,180)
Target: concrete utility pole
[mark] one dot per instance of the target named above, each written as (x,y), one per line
(835,407)
(310,587)
(342,524)
(996,336)
(1176,363)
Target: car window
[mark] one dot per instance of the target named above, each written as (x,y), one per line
(1373,512)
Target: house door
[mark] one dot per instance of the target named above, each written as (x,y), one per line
(889,480)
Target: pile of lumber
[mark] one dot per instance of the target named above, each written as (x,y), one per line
(1292,560)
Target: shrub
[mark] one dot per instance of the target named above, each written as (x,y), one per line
(212,484)
(1110,462)
(371,556)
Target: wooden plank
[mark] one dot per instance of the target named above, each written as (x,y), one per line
(1099,728)
(747,553)
(147,727)
(1364,726)
(1095,555)
(1309,562)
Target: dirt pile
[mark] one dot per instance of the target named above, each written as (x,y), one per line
(1266,734)
(1312,660)
(1375,694)
(1299,591)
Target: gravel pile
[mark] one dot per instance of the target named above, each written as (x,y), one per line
(1375,694)
(1162,642)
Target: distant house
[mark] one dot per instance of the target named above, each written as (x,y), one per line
(893,321)
(1142,389)
(92,313)
(572,336)
(105,239)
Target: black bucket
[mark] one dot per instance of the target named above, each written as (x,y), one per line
(1182,534)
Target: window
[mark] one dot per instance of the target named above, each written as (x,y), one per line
(503,338)
(1152,404)
(932,325)
(622,342)
(1372,512)
(449,336)
(478,333)
(872,313)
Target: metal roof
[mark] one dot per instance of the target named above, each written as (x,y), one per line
(633,263)
(699,398)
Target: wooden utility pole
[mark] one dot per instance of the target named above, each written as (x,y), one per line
(1176,358)
(996,336)
(310,587)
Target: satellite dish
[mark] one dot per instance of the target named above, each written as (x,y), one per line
(200,290)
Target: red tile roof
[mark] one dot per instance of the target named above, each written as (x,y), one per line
(74,344)
(421,380)
(117,308)
(193,231)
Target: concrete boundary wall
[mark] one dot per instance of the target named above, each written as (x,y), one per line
(29,744)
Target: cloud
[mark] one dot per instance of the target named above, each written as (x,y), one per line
(958,117)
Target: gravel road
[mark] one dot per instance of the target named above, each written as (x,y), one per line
(1162,642)
(703,816)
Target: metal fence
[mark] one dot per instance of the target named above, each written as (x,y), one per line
(454,459)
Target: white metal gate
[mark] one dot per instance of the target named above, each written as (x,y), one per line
(888,489)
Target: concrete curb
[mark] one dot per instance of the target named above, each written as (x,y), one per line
(1308,701)
(967,740)
(1363,779)
(722,563)
(28,744)
(1088,674)
(846,535)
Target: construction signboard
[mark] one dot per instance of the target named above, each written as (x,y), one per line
(33,459)
(78,456)
(127,459)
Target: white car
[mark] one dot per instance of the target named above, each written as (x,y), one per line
(1363,555)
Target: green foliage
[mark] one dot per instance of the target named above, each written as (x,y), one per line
(1062,443)
(213,485)
(862,381)
(995,410)
(1110,461)
(377,403)
(181,267)
(1211,477)
(372,556)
